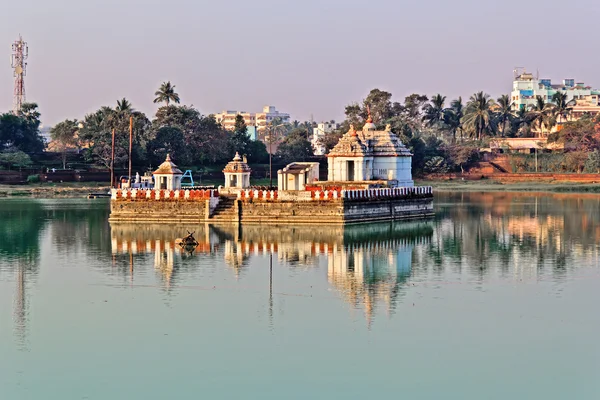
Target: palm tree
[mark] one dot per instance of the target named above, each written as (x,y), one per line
(452,117)
(504,113)
(166,93)
(124,106)
(478,114)
(434,111)
(522,119)
(540,112)
(561,106)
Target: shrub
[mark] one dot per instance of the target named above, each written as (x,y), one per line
(33,179)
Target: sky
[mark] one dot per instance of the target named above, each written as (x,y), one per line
(307,58)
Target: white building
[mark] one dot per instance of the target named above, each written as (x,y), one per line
(167,176)
(526,88)
(259,119)
(370,155)
(318,133)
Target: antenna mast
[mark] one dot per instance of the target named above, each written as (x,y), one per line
(19,55)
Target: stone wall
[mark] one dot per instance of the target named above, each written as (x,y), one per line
(277,212)
(159,211)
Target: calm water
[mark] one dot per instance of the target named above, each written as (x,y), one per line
(497,298)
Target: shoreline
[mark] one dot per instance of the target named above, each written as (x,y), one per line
(50,191)
(67,190)
(495,186)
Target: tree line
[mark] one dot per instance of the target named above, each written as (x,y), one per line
(191,138)
(447,136)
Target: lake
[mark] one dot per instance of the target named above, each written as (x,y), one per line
(494,298)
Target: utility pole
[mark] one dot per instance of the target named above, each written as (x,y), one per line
(130,145)
(20,54)
(112,160)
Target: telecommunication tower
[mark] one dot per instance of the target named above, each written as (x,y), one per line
(19,55)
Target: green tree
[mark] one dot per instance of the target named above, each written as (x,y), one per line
(504,113)
(453,117)
(434,112)
(295,146)
(477,117)
(124,106)
(166,94)
(21,131)
(64,134)
(561,106)
(168,140)
(15,158)
(206,139)
(96,136)
(239,140)
(539,113)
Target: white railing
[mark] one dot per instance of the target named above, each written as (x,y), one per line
(162,195)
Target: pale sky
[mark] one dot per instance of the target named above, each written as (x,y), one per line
(305,57)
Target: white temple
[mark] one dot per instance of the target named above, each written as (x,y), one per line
(369,155)
(237,173)
(167,176)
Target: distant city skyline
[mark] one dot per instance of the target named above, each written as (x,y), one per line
(307,58)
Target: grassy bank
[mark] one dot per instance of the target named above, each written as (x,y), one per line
(492,186)
(52,190)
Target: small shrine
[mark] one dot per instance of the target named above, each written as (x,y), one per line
(369,155)
(167,176)
(237,173)
(297,175)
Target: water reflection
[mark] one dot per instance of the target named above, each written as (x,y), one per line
(523,234)
(474,237)
(366,264)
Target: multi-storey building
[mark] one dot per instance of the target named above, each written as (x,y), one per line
(526,88)
(319,132)
(260,120)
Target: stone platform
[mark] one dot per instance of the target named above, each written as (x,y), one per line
(269,207)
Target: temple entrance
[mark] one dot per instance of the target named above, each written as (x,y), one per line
(350,170)
(233,182)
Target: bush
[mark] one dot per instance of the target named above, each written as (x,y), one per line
(33,179)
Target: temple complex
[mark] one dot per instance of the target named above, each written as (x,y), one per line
(369,179)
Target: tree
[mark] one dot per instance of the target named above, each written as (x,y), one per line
(168,140)
(581,135)
(463,154)
(539,113)
(21,131)
(434,112)
(166,93)
(295,147)
(206,140)
(504,113)
(561,106)
(15,158)
(521,122)
(64,134)
(124,106)
(453,117)
(29,112)
(478,115)
(379,104)
(239,140)
(96,136)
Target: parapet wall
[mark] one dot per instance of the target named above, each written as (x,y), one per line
(329,207)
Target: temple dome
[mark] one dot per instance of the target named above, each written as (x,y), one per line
(168,168)
(350,145)
(237,165)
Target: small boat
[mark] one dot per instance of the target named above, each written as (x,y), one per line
(188,241)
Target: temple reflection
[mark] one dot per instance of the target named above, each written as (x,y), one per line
(366,264)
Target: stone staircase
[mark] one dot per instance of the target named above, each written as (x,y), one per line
(225,210)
